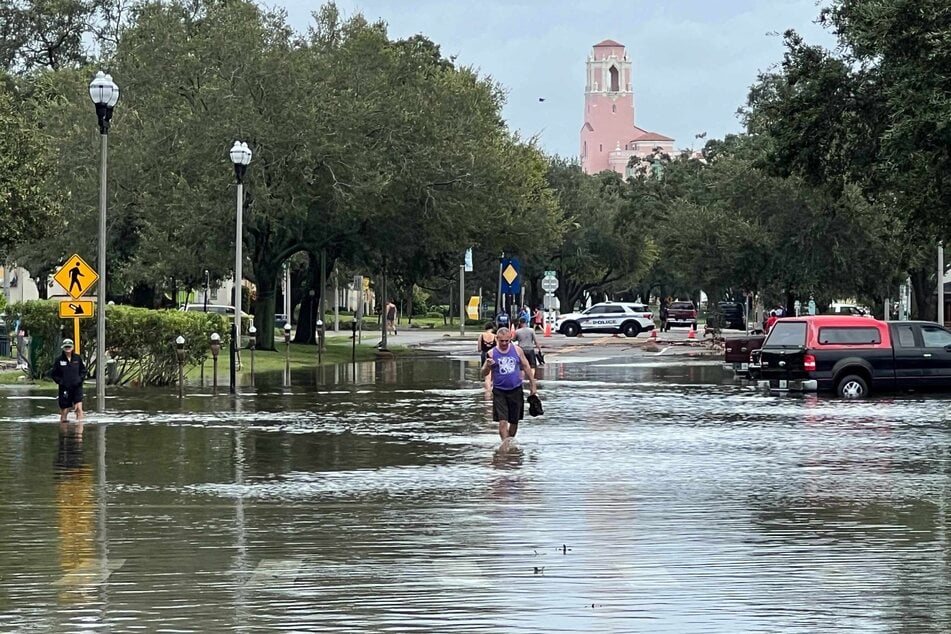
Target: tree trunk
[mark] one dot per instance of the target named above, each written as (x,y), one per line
(265,280)
(924,293)
(310,296)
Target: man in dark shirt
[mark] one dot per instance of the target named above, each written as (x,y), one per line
(68,372)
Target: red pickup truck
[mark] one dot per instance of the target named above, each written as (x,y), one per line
(681,312)
(854,356)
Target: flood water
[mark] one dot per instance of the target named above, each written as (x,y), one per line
(649,498)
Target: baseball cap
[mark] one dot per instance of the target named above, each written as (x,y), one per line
(67,343)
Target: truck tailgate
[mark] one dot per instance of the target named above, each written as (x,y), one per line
(738,349)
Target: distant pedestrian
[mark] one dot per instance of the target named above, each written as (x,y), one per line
(502,320)
(525,338)
(68,373)
(505,364)
(525,314)
(539,319)
(391,317)
(486,343)
(664,316)
(771,320)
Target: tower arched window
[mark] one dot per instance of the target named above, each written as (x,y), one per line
(615,84)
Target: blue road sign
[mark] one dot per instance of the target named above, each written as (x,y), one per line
(511,276)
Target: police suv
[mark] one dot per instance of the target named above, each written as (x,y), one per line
(610,317)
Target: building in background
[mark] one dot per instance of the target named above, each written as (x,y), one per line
(610,136)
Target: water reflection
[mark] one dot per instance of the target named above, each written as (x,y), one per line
(649,497)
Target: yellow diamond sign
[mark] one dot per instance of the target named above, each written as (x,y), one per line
(76,276)
(510,274)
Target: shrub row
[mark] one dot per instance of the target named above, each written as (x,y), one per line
(141,341)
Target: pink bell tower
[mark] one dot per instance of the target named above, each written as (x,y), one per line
(609,136)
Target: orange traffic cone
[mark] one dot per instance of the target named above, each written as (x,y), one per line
(692,334)
(654,333)
(548,329)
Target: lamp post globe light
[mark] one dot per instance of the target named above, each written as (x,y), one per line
(180,353)
(253,342)
(105,95)
(240,155)
(215,349)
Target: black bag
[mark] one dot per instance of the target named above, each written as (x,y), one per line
(540,356)
(535,405)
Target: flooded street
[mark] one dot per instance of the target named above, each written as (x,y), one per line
(654,495)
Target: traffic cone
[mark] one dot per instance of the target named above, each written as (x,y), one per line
(692,334)
(654,333)
(548,329)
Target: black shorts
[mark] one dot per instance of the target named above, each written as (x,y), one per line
(508,405)
(69,396)
(530,357)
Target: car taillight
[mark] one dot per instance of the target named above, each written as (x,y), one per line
(651,315)
(809,363)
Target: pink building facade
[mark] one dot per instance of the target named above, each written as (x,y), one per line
(609,136)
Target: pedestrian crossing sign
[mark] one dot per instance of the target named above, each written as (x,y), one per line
(76,276)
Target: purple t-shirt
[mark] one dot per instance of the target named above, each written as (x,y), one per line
(507,369)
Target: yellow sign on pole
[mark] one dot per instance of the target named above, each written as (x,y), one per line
(472,309)
(76,276)
(76,336)
(77,309)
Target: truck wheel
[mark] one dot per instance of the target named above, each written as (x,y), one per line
(630,329)
(570,329)
(852,386)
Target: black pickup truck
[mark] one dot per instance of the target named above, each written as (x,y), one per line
(854,356)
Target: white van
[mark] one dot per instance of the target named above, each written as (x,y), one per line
(220,309)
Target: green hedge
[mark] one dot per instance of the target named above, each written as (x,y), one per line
(141,341)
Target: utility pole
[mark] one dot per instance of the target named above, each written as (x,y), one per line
(941,283)
(462,299)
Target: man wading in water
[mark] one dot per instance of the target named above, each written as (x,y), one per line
(506,362)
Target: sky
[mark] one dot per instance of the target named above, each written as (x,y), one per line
(693,60)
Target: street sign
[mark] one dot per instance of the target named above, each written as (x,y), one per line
(511,277)
(77,309)
(76,276)
(468,261)
(472,309)
(549,301)
(549,284)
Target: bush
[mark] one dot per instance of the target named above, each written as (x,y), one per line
(141,341)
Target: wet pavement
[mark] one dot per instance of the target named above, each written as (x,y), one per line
(654,495)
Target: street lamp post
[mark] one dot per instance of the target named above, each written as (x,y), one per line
(215,349)
(105,95)
(180,353)
(241,156)
(253,332)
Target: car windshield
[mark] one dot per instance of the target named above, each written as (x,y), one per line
(787,334)
(682,305)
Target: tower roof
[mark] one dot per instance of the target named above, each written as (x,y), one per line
(608,43)
(651,136)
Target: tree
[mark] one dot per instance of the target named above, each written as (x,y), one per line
(27,206)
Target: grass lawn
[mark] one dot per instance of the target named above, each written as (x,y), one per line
(419,322)
(339,350)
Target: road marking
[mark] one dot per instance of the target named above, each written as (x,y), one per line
(274,571)
(89,572)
